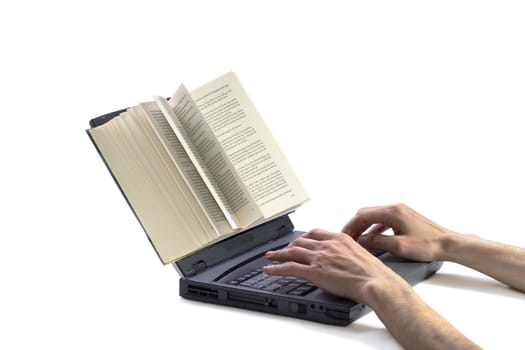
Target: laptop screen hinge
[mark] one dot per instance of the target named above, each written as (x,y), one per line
(233,246)
(199,266)
(283,230)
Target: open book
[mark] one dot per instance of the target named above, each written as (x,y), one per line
(199,167)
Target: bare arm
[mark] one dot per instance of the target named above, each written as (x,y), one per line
(502,262)
(339,265)
(413,323)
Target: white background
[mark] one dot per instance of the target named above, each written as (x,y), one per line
(373,103)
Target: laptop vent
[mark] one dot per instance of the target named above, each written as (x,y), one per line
(203,292)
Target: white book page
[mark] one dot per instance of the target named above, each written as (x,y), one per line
(250,146)
(207,147)
(197,160)
(185,166)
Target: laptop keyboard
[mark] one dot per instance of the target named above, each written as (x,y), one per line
(258,279)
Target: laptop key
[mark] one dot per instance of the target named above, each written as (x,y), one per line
(303,290)
(288,288)
(272,287)
(257,279)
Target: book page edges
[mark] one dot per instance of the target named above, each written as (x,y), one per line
(166,244)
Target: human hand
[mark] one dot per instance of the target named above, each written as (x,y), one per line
(336,263)
(415,237)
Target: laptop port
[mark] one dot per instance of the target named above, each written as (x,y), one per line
(297,308)
(202,292)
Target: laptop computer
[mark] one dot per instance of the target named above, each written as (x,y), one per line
(229,273)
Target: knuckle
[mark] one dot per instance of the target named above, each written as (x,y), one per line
(397,247)
(330,245)
(361,216)
(360,212)
(315,230)
(340,236)
(322,261)
(322,255)
(398,209)
(290,253)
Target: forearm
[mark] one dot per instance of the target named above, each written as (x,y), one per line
(502,262)
(412,322)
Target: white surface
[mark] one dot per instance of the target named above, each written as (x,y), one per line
(372,102)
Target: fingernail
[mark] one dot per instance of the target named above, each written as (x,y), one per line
(270,252)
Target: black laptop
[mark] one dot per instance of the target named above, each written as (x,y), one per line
(230,273)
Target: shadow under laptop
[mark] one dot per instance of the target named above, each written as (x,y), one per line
(367,330)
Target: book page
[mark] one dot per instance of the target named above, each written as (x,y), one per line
(197,161)
(212,155)
(249,145)
(154,116)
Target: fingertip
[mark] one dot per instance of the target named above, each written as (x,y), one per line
(269,269)
(368,241)
(273,255)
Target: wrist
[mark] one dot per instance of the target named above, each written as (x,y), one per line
(453,244)
(387,292)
